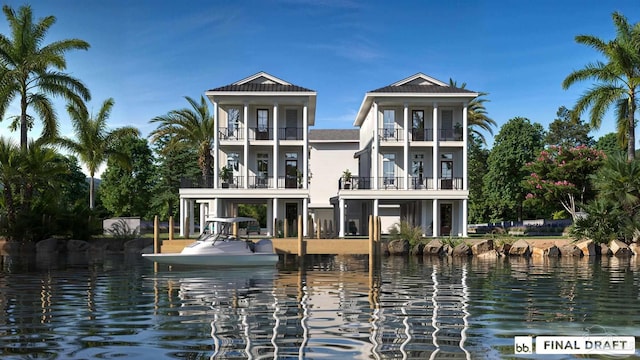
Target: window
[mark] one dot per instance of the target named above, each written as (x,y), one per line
(389,169)
(446,124)
(233,122)
(388,123)
(263,124)
(417,168)
(263,169)
(418,125)
(232,162)
(446,171)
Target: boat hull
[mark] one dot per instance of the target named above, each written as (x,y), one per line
(255,259)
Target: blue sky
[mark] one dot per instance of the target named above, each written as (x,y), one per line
(148,55)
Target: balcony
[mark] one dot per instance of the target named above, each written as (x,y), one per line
(389,134)
(422,134)
(231,133)
(450,134)
(259,133)
(237,182)
(290,133)
(397,183)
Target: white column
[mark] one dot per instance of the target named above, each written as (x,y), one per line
(275,145)
(376,204)
(216,154)
(465,134)
(270,217)
(465,214)
(436,154)
(436,218)
(305,215)
(423,217)
(406,146)
(202,217)
(214,212)
(275,214)
(192,220)
(341,221)
(376,145)
(305,149)
(181,216)
(245,155)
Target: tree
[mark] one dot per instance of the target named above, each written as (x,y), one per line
(561,175)
(477,165)
(617,80)
(174,163)
(32,73)
(189,127)
(127,190)
(95,144)
(568,131)
(609,144)
(477,117)
(517,143)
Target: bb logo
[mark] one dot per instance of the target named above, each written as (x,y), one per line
(523,345)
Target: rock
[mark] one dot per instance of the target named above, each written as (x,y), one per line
(384,249)
(136,245)
(520,248)
(417,249)
(635,248)
(545,251)
(605,251)
(482,247)
(434,247)
(462,249)
(47,246)
(77,245)
(588,247)
(620,249)
(504,248)
(447,250)
(570,250)
(492,254)
(399,247)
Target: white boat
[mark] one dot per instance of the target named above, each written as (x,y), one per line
(218,246)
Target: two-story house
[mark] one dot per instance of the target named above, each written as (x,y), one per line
(413,156)
(260,152)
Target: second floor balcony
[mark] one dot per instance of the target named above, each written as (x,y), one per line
(238,182)
(418,134)
(397,183)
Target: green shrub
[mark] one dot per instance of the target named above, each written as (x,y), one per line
(404,230)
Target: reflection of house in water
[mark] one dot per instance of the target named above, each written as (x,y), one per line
(321,314)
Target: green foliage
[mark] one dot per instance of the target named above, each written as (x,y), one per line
(121,230)
(517,143)
(405,231)
(609,144)
(127,190)
(562,176)
(477,164)
(601,224)
(256,211)
(568,131)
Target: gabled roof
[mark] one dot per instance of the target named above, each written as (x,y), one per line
(261,82)
(418,85)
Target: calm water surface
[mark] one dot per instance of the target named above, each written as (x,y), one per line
(332,307)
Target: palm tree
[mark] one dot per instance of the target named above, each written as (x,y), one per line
(32,73)
(95,144)
(189,127)
(477,117)
(10,160)
(617,80)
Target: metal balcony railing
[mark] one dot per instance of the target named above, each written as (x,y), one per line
(290,133)
(422,134)
(234,133)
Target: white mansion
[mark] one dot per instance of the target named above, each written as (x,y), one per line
(406,159)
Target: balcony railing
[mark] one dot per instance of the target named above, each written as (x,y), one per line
(258,133)
(290,133)
(389,134)
(237,182)
(397,134)
(450,134)
(234,133)
(422,134)
(397,183)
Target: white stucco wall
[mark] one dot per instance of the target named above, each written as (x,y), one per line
(327,162)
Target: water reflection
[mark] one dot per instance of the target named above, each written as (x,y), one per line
(328,308)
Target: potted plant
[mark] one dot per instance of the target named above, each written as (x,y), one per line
(457,131)
(226,175)
(299,177)
(346,177)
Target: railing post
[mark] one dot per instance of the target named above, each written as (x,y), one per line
(301,247)
(156,235)
(170,228)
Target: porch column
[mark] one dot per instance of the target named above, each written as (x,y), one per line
(436,218)
(376,203)
(436,186)
(275,145)
(423,217)
(202,216)
(275,215)
(465,134)
(305,215)
(341,220)
(465,214)
(376,145)
(270,217)
(216,155)
(192,217)
(305,152)
(182,216)
(245,155)
(406,146)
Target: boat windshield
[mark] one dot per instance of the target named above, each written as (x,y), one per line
(217,230)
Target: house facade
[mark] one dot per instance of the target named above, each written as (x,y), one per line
(406,159)
(412,156)
(260,152)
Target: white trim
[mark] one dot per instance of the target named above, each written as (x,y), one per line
(261,74)
(420,76)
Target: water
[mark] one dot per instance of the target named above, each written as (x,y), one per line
(332,308)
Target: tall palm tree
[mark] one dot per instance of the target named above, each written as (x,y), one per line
(477,118)
(94,143)
(617,79)
(189,127)
(32,73)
